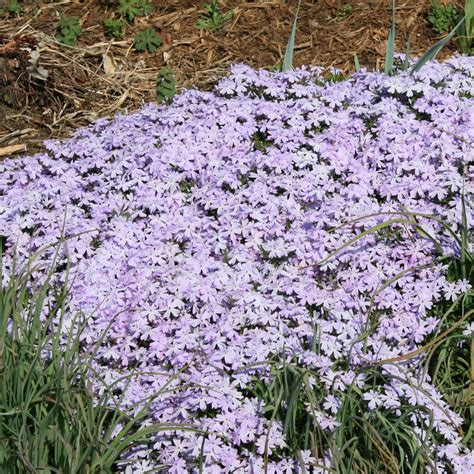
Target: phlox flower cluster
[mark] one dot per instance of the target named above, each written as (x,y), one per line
(201,237)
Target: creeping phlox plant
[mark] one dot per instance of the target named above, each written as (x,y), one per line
(278,246)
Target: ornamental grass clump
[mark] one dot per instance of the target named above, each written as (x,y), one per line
(284,247)
(367,436)
(50,418)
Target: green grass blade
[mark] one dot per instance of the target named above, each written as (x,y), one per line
(363,234)
(125,439)
(464,240)
(288,59)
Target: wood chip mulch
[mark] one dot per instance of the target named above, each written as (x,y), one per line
(47,90)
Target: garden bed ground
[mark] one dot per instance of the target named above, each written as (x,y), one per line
(99,76)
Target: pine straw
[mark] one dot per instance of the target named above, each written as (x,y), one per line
(100,77)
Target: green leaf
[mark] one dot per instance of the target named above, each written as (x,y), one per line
(133,8)
(212,19)
(203,24)
(435,49)
(147,40)
(288,59)
(67,38)
(345,11)
(69,29)
(165,85)
(356,63)
(469,14)
(145,7)
(114,27)
(70,24)
(466,31)
(390,45)
(443,17)
(227,16)
(14,6)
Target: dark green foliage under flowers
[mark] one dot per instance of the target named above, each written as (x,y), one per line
(450,361)
(379,440)
(261,141)
(50,420)
(165,85)
(365,440)
(335,77)
(69,29)
(213,19)
(114,27)
(147,40)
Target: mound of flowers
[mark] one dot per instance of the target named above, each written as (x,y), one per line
(281,217)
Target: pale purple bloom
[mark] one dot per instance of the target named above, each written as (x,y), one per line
(198,231)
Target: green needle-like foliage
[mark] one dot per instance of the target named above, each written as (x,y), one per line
(362,441)
(345,10)
(69,29)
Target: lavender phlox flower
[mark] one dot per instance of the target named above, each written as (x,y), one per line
(213,228)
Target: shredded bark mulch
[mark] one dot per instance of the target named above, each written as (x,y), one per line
(48,89)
